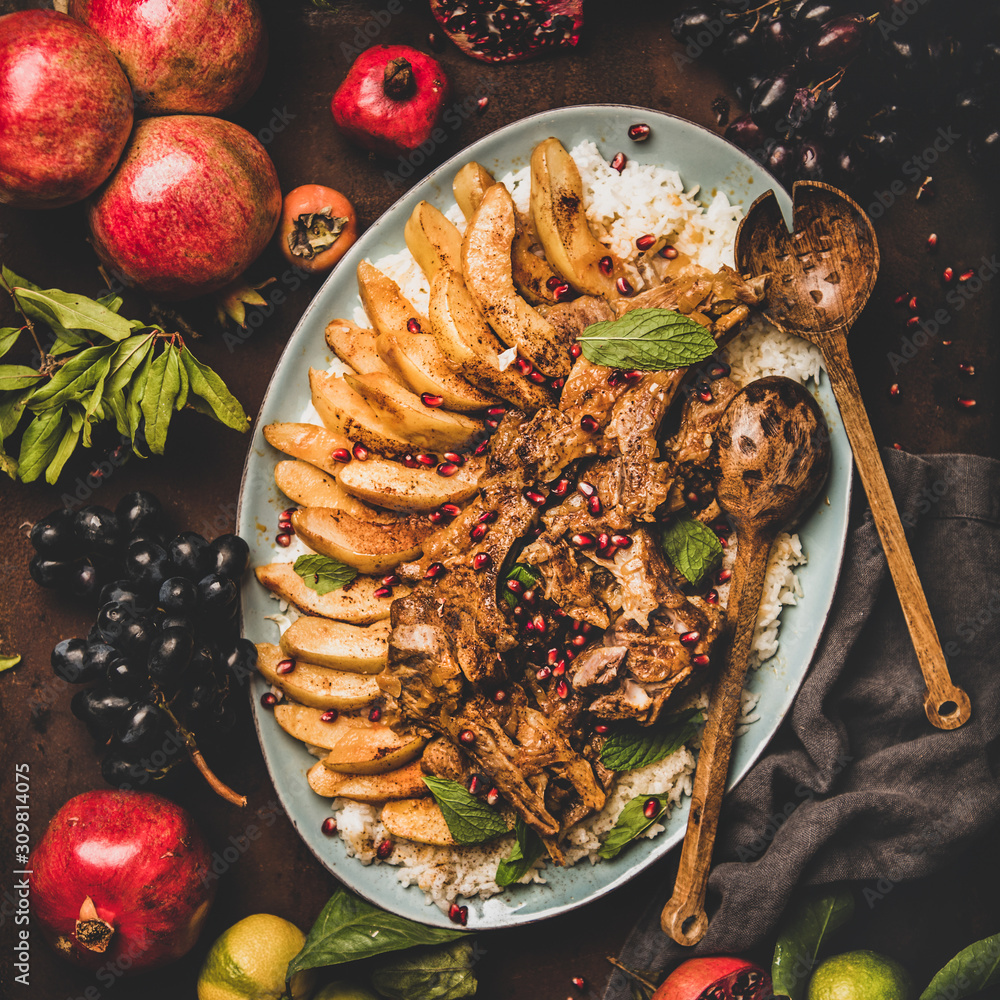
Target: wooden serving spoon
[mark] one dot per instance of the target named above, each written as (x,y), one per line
(774,455)
(822,275)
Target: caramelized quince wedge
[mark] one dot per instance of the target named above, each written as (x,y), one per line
(400,488)
(359,649)
(433,239)
(356,603)
(316,686)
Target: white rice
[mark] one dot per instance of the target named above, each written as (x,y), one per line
(643,199)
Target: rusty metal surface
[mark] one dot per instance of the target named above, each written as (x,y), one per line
(626,57)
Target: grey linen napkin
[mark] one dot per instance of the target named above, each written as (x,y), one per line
(858,784)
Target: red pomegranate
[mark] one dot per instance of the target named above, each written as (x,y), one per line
(183,56)
(121,877)
(392,100)
(193,202)
(65,110)
(510,30)
(720,977)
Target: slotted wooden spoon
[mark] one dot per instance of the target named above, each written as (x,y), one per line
(822,275)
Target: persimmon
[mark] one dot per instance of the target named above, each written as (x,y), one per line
(318,226)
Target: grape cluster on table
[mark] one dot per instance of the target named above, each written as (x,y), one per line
(844,90)
(159,660)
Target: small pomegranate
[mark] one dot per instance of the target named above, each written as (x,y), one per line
(121,877)
(65,110)
(721,977)
(510,30)
(186,56)
(391,100)
(193,203)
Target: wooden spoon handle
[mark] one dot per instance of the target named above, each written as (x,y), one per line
(684,917)
(947,706)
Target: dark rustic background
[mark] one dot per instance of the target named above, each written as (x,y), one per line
(626,56)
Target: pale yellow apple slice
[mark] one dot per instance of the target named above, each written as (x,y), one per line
(355,345)
(356,603)
(419,820)
(394,485)
(369,548)
(318,687)
(385,305)
(417,361)
(433,239)
(469,186)
(361,649)
(312,487)
(373,751)
(307,724)
(406,783)
(308,442)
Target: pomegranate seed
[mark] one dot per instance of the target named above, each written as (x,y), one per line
(427,460)
(668,252)
(481,448)
(329,826)
(578,981)
(558,383)
(286,514)
(621,541)
(360,452)
(603,539)
(967,369)
(450,509)
(705,395)
(482,104)
(559,669)
(499,696)
(650,808)
(384,849)
(701,660)
(586,489)
(515,586)
(561,487)
(897,446)
(478,532)
(894,389)
(518,611)
(269,699)
(481,561)
(692,498)
(447,469)
(638,132)
(410,462)
(375,714)
(492,798)
(453,456)
(390,581)
(488,517)
(529,596)
(570,656)
(537,377)
(690,638)
(618,162)
(285,666)
(624,286)
(554,282)
(582,541)
(724,575)
(434,571)
(632,377)
(541,625)
(496,411)
(712,597)
(284,539)
(413,325)
(723,541)
(435,517)
(467,737)
(458,914)
(912,304)
(606,264)
(575,350)
(285,525)
(534,497)
(932,241)
(967,404)
(913,322)
(475,784)
(330,715)
(966,275)
(948,275)
(492,422)
(524,367)
(341,455)
(600,728)
(552,656)
(645,242)
(543,673)
(383,592)
(900,299)
(562,689)
(594,506)
(579,640)
(429,399)
(589,423)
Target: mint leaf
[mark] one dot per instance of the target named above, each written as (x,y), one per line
(523,855)
(222,404)
(6,662)
(39,444)
(162,385)
(350,929)
(470,820)
(14,377)
(632,746)
(647,339)
(323,574)
(442,973)
(526,575)
(632,823)
(76,312)
(8,338)
(82,372)
(693,549)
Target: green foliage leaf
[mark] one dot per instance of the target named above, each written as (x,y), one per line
(14,377)
(526,575)
(632,746)
(470,820)
(12,408)
(973,969)
(692,548)
(648,340)
(632,823)
(443,973)
(523,855)
(222,404)
(40,443)
(128,356)
(804,929)
(8,662)
(66,446)
(76,312)
(8,338)
(13,280)
(323,574)
(81,372)
(162,386)
(349,929)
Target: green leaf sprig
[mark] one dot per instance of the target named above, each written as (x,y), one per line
(526,575)
(633,746)
(323,574)
(523,855)
(633,822)
(470,820)
(692,548)
(649,340)
(101,368)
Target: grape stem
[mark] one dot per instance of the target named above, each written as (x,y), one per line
(631,973)
(219,787)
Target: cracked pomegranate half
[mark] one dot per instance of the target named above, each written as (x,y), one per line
(720,977)
(510,30)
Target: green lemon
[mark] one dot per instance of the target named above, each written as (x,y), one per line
(249,961)
(343,990)
(860,975)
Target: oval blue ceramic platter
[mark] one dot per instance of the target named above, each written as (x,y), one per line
(702,158)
